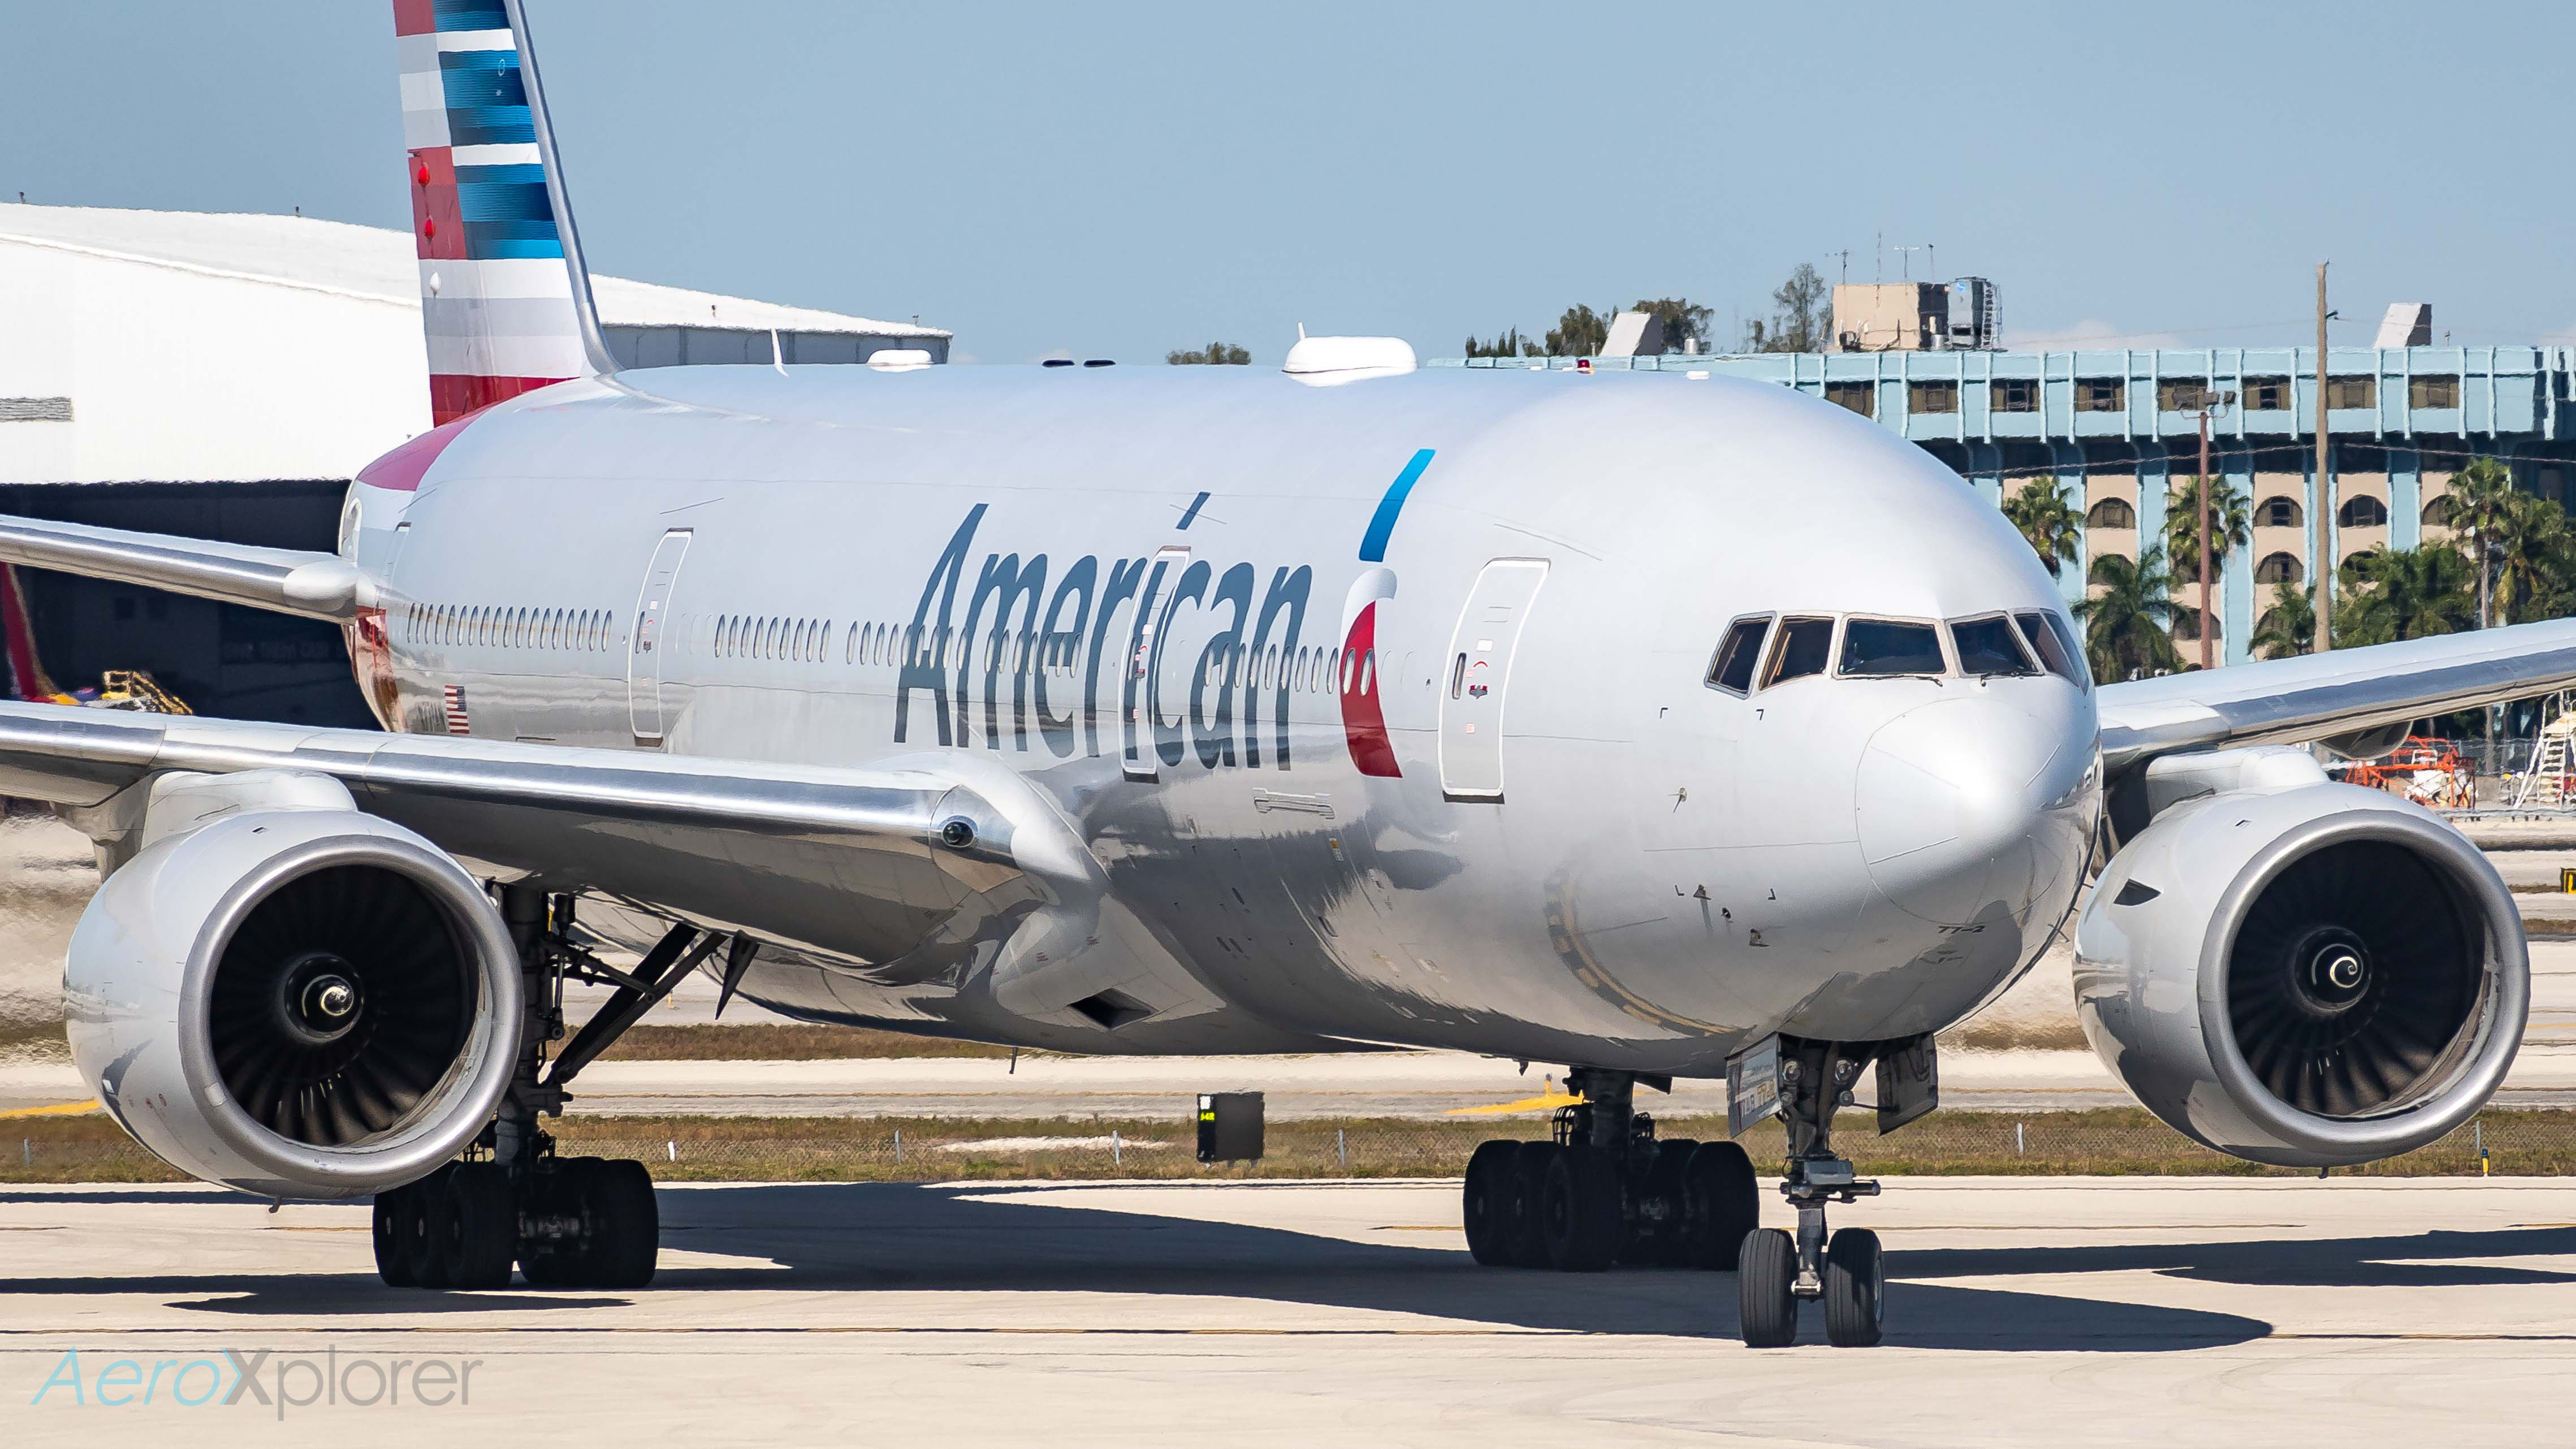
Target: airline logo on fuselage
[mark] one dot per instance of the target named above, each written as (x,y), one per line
(1087,652)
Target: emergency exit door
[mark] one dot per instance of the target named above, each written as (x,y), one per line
(1479,668)
(645,644)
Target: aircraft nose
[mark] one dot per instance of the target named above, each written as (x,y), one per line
(1948,808)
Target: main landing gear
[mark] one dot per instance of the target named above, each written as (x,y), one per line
(1606,1190)
(566,1222)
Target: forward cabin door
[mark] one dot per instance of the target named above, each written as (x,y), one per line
(1479,667)
(645,644)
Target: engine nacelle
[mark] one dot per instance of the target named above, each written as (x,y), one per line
(2309,976)
(296,1002)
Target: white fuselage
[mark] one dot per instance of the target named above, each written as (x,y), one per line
(1442,770)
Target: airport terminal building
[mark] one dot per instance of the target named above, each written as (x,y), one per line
(224,376)
(2115,428)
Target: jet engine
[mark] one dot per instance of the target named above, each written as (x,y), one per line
(305,1002)
(2300,973)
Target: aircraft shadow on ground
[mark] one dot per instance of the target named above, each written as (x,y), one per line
(872,1237)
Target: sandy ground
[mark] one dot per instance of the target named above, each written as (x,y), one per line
(2103,1312)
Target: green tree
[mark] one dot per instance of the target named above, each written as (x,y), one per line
(2481,499)
(1802,317)
(1224,354)
(2534,559)
(2125,633)
(2290,626)
(1505,344)
(2047,521)
(1581,332)
(2410,593)
(1683,321)
(2230,526)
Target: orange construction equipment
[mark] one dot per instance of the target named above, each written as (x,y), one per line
(2425,770)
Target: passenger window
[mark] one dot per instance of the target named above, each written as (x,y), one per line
(1731,669)
(1990,646)
(1883,648)
(1802,647)
(2054,643)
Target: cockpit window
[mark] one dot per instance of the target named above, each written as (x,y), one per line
(1990,646)
(2054,643)
(1880,648)
(1732,667)
(1802,647)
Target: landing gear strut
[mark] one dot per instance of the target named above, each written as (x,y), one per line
(1606,1190)
(578,1222)
(1776,1272)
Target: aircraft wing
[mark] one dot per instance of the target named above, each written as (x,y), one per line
(2341,692)
(847,860)
(287,581)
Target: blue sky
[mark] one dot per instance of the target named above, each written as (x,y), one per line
(1121,180)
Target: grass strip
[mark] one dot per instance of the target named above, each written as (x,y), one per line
(2105,1142)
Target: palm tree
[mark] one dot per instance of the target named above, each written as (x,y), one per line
(2533,554)
(2124,624)
(2482,503)
(2290,626)
(2050,524)
(2230,525)
(2409,593)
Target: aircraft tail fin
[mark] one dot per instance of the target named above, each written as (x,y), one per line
(505,299)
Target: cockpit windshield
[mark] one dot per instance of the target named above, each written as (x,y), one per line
(1884,648)
(1990,646)
(1800,648)
(2054,643)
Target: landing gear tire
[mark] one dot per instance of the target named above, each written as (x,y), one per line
(426,1227)
(1659,1211)
(1580,1210)
(1722,1203)
(480,1222)
(608,1226)
(397,1222)
(1528,1182)
(1488,1203)
(1767,1312)
(1855,1289)
(629,1243)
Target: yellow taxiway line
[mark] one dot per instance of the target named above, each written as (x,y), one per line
(58,1109)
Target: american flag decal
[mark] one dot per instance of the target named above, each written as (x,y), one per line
(457,723)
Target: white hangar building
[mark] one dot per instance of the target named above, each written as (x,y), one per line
(224,376)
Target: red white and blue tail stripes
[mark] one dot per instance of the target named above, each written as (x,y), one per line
(496,293)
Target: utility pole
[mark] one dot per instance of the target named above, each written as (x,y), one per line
(2208,405)
(2322,561)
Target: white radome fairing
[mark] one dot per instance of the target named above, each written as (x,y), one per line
(139,975)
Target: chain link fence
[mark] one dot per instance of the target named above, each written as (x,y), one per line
(2121,1141)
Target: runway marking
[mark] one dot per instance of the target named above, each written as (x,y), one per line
(58,1109)
(1419,1228)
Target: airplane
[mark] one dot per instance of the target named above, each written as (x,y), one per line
(1653,726)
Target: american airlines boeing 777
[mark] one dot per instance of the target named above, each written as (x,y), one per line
(1653,726)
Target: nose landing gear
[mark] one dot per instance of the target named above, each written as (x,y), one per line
(1844,1271)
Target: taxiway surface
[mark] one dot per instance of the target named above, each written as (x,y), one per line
(2021,1312)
